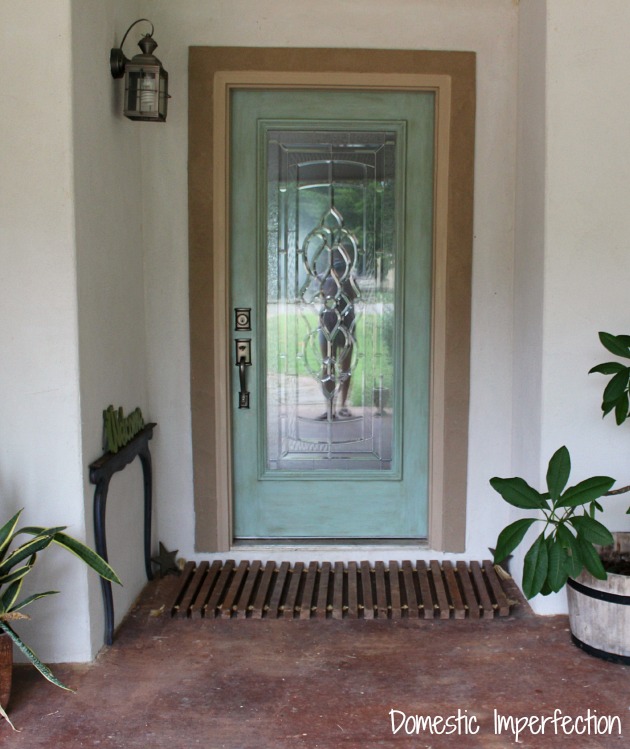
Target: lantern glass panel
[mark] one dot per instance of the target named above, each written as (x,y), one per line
(142,92)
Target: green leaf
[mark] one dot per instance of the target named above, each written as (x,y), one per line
(517,492)
(607,368)
(34,597)
(87,555)
(535,567)
(510,537)
(6,533)
(586,491)
(79,549)
(16,574)
(621,408)
(617,386)
(556,570)
(592,530)
(572,562)
(42,668)
(40,531)
(11,592)
(591,559)
(22,552)
(558,472)
(615,344)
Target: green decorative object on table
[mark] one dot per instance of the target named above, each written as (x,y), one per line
(119,430)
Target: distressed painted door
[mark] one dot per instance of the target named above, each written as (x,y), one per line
(331,237)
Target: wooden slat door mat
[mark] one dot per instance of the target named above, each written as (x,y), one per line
(323,590)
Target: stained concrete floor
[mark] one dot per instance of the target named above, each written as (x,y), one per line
(239,684)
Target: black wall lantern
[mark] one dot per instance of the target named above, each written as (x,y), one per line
(146,81)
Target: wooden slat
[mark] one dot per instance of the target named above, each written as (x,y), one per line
(482,591)
(394,590)
(453,589)
(425,590)
(192,590)
(231,596)
(497,590)
(337,612)
(322,594)
(438,584)
(366,589)
(309,588)
(278,587)
(410,590)
(197,607)
(261,596)
(210,609)
(243,606)
(353,596)
(469,593)
(381,590)
(182,587)
(294,587)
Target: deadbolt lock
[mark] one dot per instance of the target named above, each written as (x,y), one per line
(242,318)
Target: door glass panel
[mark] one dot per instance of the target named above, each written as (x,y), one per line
(331,355)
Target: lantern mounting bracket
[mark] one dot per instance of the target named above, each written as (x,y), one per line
(117,59)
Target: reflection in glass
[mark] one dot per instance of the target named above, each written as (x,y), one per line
(331,258)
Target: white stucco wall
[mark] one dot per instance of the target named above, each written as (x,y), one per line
(488,27)
(529,252)
(72,297)
(587,258)
(110,272)
(40,434)
(588,227)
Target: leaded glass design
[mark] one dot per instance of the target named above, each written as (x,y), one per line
(331,316)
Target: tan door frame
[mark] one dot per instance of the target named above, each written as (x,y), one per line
(209,268)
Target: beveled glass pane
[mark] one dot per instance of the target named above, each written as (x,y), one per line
(331,264)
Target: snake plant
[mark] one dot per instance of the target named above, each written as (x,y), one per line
(17,560)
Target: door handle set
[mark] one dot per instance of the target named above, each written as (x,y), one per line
(243,360)
(243,321)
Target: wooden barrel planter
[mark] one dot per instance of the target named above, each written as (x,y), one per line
(599,613)
(6,669)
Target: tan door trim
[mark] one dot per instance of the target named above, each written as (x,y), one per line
(209,269)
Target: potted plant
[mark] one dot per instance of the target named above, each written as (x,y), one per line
(569,548)
(16,561)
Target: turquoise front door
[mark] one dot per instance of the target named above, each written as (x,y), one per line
(331,245)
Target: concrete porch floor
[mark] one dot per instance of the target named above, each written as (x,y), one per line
(259,683)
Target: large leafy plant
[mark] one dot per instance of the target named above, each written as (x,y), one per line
(17,560)
(570,531)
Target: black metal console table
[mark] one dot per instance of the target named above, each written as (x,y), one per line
(101,472)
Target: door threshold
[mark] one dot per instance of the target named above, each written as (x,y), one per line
(325,545)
